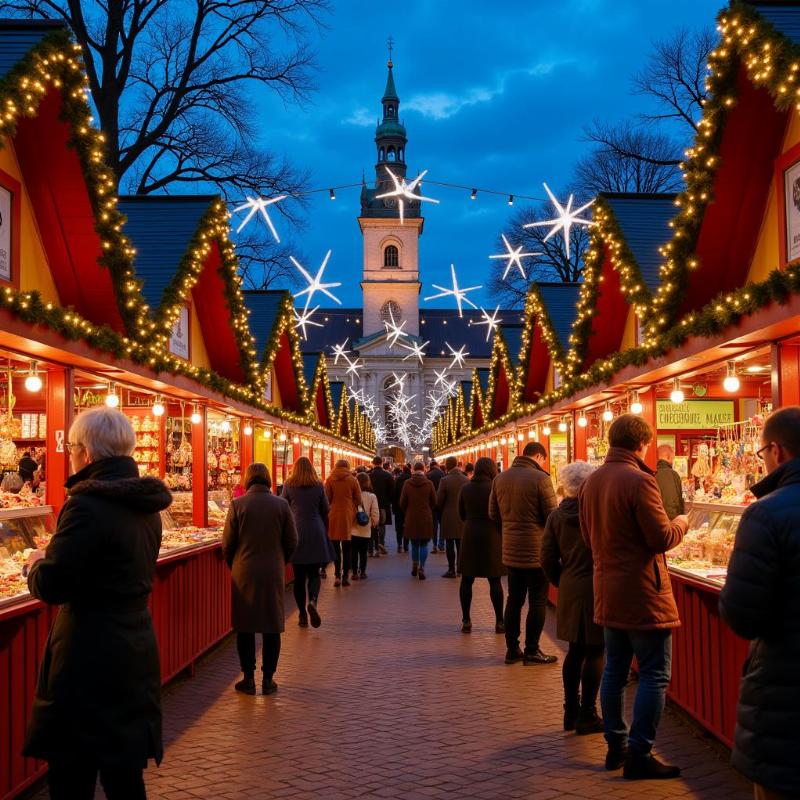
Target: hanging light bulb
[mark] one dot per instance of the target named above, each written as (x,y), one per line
(196,417)
(503,440)
(112,398)
(267,433)
(636,403)
(520,436)
(248,430)
(677,395)
(731,382)
(546,429)
(296,440)
(531,433)
(33,383)
(582,421)
(562,426)
(158,407)
(608,414)
(282,437)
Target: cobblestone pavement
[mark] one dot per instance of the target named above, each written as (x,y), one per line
(388,699)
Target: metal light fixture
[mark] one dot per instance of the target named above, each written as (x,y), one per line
(677,395)
(112,398)
(531,433)
(33,383)
(731,382)
(636,403)
(520,436)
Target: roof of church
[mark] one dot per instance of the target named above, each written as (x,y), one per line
(390,92)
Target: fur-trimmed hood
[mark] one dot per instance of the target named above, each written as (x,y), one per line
(117,479)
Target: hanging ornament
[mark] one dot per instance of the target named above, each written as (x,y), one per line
(405,191)
(315,284)
(564,220)
(256,205)
(513,258)
(491,321)
(457,292)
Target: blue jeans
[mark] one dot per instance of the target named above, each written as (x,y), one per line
(653,651)
(419,551)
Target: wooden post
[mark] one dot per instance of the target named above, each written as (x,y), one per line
(200,469)
(785,374)
(59,405)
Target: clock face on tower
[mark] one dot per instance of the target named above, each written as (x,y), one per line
(390,202)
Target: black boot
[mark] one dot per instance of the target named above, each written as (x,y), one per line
(246,685)
(268,686)
(571,709)
(647,768)
(588,722)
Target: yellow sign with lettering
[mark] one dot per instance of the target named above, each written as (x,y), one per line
(693,414)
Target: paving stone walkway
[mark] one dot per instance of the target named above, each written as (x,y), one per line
(389,700)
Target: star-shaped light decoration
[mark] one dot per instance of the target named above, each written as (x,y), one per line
(513,258)
(393,330)
(339,351)
(415,350)
(441,377)
(399,380)
(457,292)
(490,320)
(256,204)
(353,367)
(458,355)
(405,191)
(315,284)
(301,320)
(564,220)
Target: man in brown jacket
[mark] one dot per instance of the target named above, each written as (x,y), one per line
(521,500)
(624,523)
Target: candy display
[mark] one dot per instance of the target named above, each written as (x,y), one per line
(22,531)
(147,454)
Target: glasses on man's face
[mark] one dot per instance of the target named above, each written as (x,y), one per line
(72,445)
(760,453)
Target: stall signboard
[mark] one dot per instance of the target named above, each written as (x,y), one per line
(5,233)
(791,190)
(694,415)
(179,338)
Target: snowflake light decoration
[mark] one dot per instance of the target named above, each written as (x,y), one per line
(315,284)
(564,220)
(457,292)
(339,351)
(393,330)
(404,190)
(415,349)
(256,205)
(304,319)
(490,320)
(458,355)
(513,256)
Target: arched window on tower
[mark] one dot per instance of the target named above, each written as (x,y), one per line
(401,154)
(390,310)
(390,111)
(391,256)
(391,154)
(381,155)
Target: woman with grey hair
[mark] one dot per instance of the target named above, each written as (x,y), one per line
(97,707)
(567,562)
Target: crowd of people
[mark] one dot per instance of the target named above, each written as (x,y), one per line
(602,545)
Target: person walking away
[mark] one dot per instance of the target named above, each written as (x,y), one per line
(258,541)
(361,534)
(383,488)
(624,523)
(521,500)
(97,706)
(344,496)
(469,470)
(434,476)
(761,602)
(447,506)
(669,482)
(418,501)
(304,493)
(27,467)
(481,553)
(567,562)
(399,514)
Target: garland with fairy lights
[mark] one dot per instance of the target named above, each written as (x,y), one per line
(501,358)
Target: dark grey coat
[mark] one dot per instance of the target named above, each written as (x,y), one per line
(761,602)
(383,488)
(98,697)
(481,554)
(258,541)
(567,562)
(447,503)
(671,488)
(310,509)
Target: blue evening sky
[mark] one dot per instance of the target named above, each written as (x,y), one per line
(493,95)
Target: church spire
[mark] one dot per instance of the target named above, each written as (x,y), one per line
(390,135)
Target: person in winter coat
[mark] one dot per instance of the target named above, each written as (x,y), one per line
(383,488)
(361,534)
(521,501)
(624,523)
(305,494)
(434,476)
(344,496)
(447,506)
(258,541)
(669,482)
(481,553)
(567,562)
(399,514)
(418,501)
(97,706)
(761,602)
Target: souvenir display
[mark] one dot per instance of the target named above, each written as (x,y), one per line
(147,453)
(22,531)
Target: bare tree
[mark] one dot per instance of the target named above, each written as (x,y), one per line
(174,85)
(551,264)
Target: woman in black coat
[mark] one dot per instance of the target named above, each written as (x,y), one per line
(567,562)
(481,554)
(97,706)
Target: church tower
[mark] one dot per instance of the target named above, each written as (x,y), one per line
(390,278)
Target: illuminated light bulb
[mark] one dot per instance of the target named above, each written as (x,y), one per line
(531,434)
(546,430)
(636,404)
(503,440)
(33,383)
(248,430)
(112,398)
(196,417)
(562,426)
(582,421)
(608,414)
(731,382)
(520,436)
(158,408)
(296,440)
(677,395)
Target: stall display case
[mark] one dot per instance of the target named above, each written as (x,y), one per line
(22,530)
